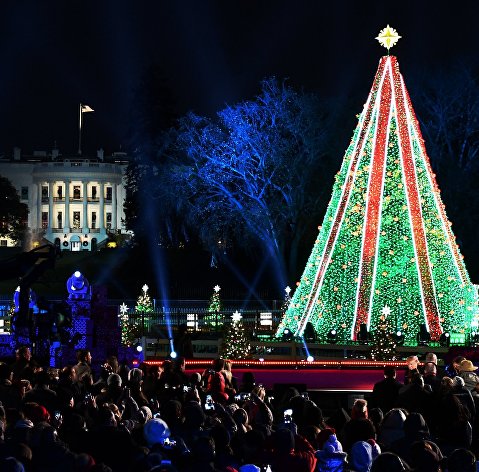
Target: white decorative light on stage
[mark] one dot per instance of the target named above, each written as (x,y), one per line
(266,319)
(310,359)
(192,320)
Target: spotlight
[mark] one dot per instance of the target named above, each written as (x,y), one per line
(310,359)
(332,336)
(77,274)
(423,337)
(445,340)
(261,359)
(139,348)
(173,354)
(399,337)
(287,335)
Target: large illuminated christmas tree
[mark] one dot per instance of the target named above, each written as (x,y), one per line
(385,239)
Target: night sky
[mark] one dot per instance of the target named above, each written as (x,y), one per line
(55,54)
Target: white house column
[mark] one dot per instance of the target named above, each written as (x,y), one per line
(39,207)
(85,207)
(67,206)
(50,206)
(101,216)
(113,207)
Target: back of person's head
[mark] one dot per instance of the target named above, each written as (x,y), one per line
(431,357)
(389,371)
(221,437)
(155,431)
(359,409)
(415,425)
(424,457)
(417,379)
(283,441)
(114,380)
(461,460)
(218,364)
(376,415)
(394,419)
(135,376)
(361,456)
(171,412)
(249,379)
(194,415)
(389,462)
(10,464)
(42,378)
(203,449)
(82,355)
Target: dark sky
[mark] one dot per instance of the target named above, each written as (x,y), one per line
(57,53)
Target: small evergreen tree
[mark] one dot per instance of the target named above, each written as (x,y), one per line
(235,344)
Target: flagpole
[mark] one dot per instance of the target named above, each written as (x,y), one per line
(79,129)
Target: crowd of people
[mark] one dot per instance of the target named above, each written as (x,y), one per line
(158,418)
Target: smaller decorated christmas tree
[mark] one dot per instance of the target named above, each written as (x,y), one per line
(143,308)
(130,331)
(213,316)
(235,344)
(384,348)
(143,303)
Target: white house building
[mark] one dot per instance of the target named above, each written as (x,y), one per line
(74,202)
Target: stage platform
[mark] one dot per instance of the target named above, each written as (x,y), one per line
(321,376)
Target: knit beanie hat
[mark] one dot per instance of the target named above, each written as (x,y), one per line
(361,456)
(155,431)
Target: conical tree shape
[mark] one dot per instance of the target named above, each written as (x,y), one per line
(385,238)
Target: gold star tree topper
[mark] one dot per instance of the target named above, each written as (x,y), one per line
(388,37)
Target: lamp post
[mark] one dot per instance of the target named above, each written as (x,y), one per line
(82,109)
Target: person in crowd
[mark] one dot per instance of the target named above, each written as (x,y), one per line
(291,452)
(231,383)
(391,428)
(412,369)
(467,370)
(385,392)
(431,378)
(464,396)
(24,367)
(461,460)
(183,342)
(83,365)
(453,368)
(41,392)
(414,397)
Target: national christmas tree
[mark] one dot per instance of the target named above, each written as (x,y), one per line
(384,342)
(213,316)
(235,344)
(385,238)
